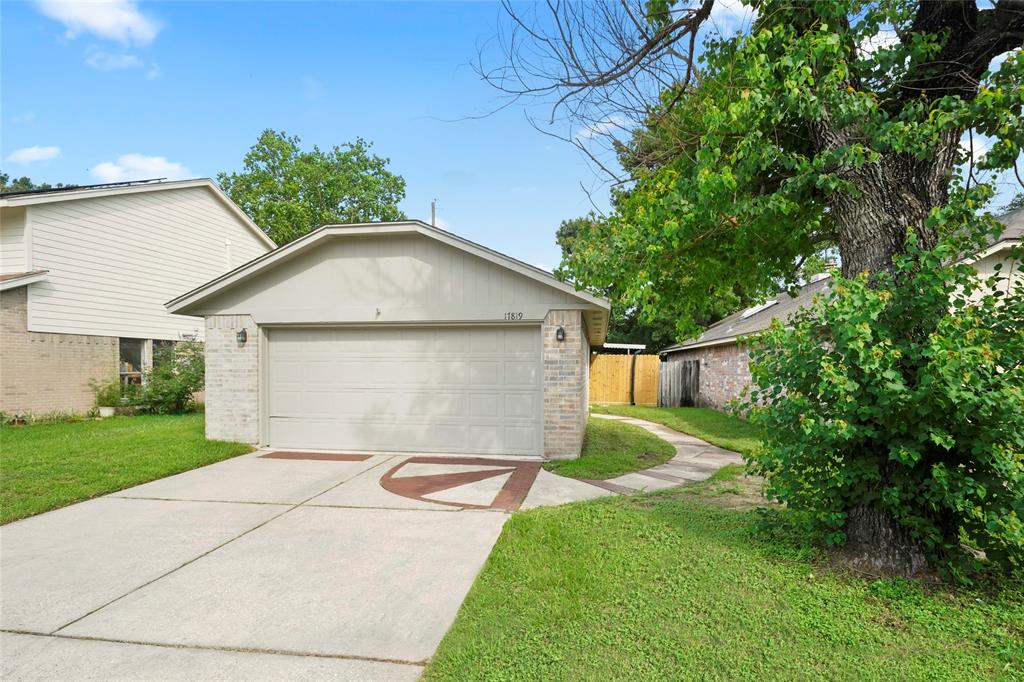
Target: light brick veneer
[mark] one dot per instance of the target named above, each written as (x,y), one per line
(566,378)
(724,373)
(42,373)
(232,379)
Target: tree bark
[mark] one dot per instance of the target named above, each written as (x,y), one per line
(877,543)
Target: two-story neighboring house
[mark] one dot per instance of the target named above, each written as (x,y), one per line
(85,273)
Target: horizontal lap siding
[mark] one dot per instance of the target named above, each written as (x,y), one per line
(114,261)
(12,240)
(351,277)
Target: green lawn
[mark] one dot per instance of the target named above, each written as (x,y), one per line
(715,427)
(52,465)
(673,586)
(611,449)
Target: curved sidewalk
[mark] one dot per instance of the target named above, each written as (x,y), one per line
(695,460)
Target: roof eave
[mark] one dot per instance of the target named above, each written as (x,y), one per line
(94,193)
(181,304)
(25,280)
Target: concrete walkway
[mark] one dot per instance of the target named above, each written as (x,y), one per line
(276,565)
(695,460)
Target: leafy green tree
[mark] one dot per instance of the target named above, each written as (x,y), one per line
(289,192)
(626,325)
(24,184)
(825,123)
(1015,203)
(903,393)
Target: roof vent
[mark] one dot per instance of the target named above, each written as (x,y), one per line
(756,309)
(819,276)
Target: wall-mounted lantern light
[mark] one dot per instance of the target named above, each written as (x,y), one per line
(242,336)
(560,334)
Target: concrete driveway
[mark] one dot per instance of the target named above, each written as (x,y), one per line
(266,566)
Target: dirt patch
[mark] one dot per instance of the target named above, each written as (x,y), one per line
(730,492)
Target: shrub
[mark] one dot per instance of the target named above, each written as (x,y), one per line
(108,394)
(177,374)
(901,397)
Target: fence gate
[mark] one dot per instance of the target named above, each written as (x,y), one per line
(678,383)
(624,379)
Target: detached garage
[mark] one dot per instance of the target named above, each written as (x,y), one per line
(396,337)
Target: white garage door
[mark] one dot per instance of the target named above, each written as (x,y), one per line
(409,389)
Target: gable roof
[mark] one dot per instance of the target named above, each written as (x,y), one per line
(182,304)
(759,318)
(32,197)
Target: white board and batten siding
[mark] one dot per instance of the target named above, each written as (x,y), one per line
(115,260)
(406,389)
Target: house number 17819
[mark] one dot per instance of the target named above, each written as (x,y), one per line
(513,316)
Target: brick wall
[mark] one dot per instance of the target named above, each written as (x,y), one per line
(566,366)
(232,379)
(42,373)
(724,373)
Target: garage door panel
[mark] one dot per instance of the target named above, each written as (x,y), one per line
(467,390)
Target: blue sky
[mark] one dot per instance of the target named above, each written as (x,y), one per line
(123,89)
(184,89)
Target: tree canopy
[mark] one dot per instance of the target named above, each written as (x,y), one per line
(289,192)
(752,148)
(24,184)
(826,124)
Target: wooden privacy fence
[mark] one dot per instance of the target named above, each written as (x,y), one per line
(678,383)
(624,379)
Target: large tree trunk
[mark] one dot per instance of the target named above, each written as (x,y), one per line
(892,199)
(877,544)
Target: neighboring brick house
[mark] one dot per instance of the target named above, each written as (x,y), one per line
(722,358)
(397,337)
(84,274)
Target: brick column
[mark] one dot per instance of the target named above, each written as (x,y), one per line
(232,379)
(566,365)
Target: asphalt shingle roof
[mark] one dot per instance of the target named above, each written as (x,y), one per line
(785,305)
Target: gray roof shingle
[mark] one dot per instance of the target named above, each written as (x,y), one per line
(785,305)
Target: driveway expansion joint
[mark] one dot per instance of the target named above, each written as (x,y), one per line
(208,647)
(214,549)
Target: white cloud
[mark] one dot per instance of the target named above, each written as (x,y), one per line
(731,14)
(27,117)
(118,20)
(610,125)
(105,61)
(980,146)
(153,72)
(998,60)
(139,167)
(885,38)
(32,154)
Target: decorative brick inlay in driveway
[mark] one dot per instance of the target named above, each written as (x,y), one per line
(317,456)
(468,474)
